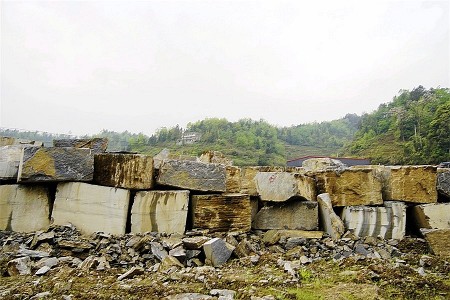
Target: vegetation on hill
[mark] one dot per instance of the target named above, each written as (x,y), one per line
(412,129)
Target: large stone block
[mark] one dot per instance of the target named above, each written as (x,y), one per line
(10,141)
(160,211)
(215,157)
(224,212)
(248,184)
(438,240)
(194,175)
(443,181)
(281,186)
(416,184)
(56,164)
(301,215)
(432,216)
(91,207)
(97,145)
(9,161)
(129,171)
(24,208)
(329,220)
(388,221)
(233,179)
(359,186)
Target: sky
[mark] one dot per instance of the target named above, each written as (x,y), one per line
(82,66)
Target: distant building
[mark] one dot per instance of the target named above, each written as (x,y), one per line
(189,138)
(346,160)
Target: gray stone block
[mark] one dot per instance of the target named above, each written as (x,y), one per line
(302,215)
(97,145)
(217,251)
(56,164)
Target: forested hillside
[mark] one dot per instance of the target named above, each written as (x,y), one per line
(246,141)
(412,129)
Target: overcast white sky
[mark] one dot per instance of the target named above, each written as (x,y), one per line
(84,66)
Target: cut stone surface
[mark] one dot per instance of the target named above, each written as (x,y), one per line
(97,145)
(160,211)
(24,208)
(248,184)
(438,240)
(233,179)
(388,222)
(322,164)
(226,212)
(272,236)
(359,186)
(129,171)
(194,243)
(217,251)
(9,161)
(329,220)
(416,184)
(56,164)
(91,207)
(281,186)
(193,175)
(432,216)
(301,215)
(443,181)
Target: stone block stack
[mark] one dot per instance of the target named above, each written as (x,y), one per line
(77,182)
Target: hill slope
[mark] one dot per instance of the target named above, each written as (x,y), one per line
(412,129)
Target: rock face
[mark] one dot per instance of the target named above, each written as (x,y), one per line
(416,184)
(323,164)
(329,220)
(193,175)
(388,222)
(24,208)
(9,161)
(233,179)
(56,164)
(129,171)
(438,240)
(217,251)
(160,211)
(91,207)
(248,184)
(97,145)
(224,212)
(301,215)
(351,187)
(432,216)
(280,186)
(443,182)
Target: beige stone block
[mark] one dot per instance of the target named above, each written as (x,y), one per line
(281,186)
(438,240)
(160,211)
(129,171)
(415,184)
(359,186)
(91,207)
(432,216)
(24,208)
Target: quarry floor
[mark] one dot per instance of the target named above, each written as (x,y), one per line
(324,279)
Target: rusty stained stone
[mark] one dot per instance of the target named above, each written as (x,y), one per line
(415,184)
(359,186)
(56,165)
(130,171)
(226,212)
(97,145)
(438,240)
